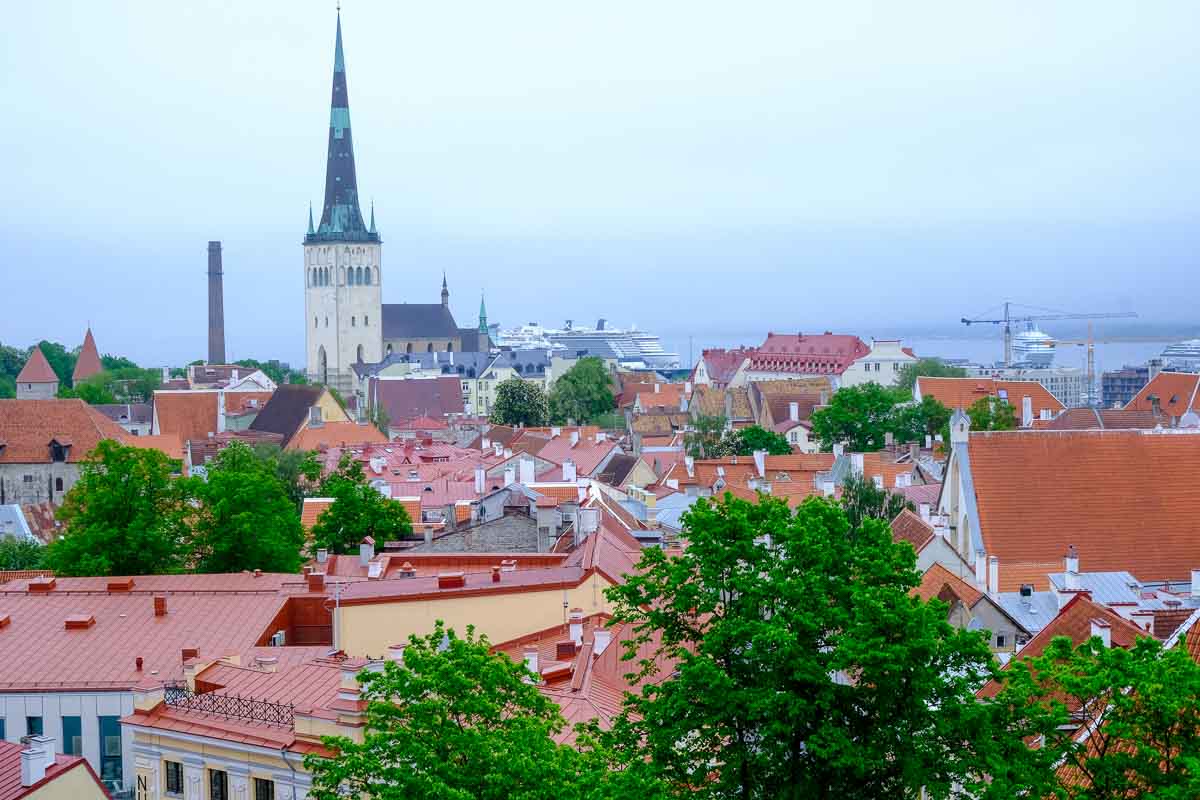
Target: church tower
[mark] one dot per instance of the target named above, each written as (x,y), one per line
(343,301)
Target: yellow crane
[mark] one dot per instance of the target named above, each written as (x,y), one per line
(1009,319)
(1090,344)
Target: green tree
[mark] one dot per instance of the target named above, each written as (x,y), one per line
(931,367)
(582,394)
(245,518)
(358,510)
(706,438)
(986,414)
(127,515)
(860,416)
(912,422)
(453,721)
(519,402)
(112,363)
(274,370)
(746,441)
(297,470)
(799,664)
(90,391)
(12,360)
(1140,704)
(62,361)
(17,554)
(862,501)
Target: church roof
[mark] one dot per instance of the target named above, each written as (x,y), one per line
(37,369)
(341,216)
(418,321)
(88,363)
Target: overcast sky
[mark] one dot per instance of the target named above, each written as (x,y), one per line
(708,168)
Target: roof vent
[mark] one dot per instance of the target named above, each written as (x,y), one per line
(120,584)
(79,622)
(452,580)
(564,651)
(316,582)
(160,605)
(42,584)
(508,565)
(189,652)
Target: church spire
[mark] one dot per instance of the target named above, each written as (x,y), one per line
(311,230)
(483,325)
(341,215)
(445,291)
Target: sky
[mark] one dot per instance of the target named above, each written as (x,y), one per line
(710,170)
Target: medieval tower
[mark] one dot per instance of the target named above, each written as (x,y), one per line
(343,300)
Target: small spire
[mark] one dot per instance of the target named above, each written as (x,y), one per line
(372,230)
(483,324)
(311,230)
(444,279)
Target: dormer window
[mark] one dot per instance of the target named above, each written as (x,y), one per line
(59,451)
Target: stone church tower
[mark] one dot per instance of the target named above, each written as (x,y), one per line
(343,300)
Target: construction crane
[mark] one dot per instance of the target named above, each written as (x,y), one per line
(1090,344)
(1009,319)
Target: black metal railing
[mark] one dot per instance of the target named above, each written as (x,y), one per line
(178,695)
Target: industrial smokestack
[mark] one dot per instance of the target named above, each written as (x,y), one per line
(216,306)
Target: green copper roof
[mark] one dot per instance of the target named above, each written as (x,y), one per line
(341,216)
(483,326)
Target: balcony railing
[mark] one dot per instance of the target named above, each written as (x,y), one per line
(177,695)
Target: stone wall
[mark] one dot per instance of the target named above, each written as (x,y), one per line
(36,483)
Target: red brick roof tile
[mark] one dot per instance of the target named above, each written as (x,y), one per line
(937,578)
(1176,393)
(963,392)
(88,362)
(37,369)
(28,426)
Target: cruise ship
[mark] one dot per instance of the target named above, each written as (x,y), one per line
(1183,355)
(628,346)
(1033,347)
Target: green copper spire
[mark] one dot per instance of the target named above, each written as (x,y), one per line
(372,228)
(341,216)
(311,230)
(483,326)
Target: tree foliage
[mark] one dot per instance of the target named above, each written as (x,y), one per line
(126,515)
(17,554)
(862,501)
(245,518)
(746,441)
(455,721)
(275,371)
(582,394)
(862,417)
(802,666)
(520,402)
(297,470)
(986,414)
(706,439)
(931,367)
(1142,705)
(358,510)
(121,385)
(62,361)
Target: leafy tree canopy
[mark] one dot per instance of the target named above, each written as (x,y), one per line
(746,441)
(582,394)
(706,438)
(986,414)
(358,511)
(520,402)
(862,501)
(297,470)
(1140,704)
(802,666)
(245,520)
(932,367)
(20,553)
(113,363)
(275,371)
(860,416)
(62,361)
(127,515)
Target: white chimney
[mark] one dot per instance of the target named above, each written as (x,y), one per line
(1071,580)
(46,745)
(794,411)
(507,452)
(856,464)
(574,437)
(576,630)
(827,488)
(486,444)
(366,551)
(480,477)
(760,462)
(656,388)
(322,555)
(220,412)
(690,464)
(526,471)
(166,374)
(994,575)
(1102,629)
(839,450)
(510,476)
(928,442)
(1026,411)
(569,473)
(531,660)
(233,376)
(980,569)
(1071,560)
(497,449)
(877,480)
(602,637)
(33,767)
(923,509)
(1196,583)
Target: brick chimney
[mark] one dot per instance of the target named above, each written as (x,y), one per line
(160,605)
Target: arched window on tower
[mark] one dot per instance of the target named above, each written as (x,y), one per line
(366,321)
(367,276)
(409,349)
(360,354)
(429,349)
(358,275)
(353,322)
(449,347)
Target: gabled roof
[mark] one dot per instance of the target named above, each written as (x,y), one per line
(10,775)
(88,362)
(127,413)
(192,415)
(1176,392)
(909,527)
(1127,500)
(406,398)
(617,469)
(939,581)
(723,364)
(963,392)
(28,426)
(1081,419)
(335,434)
(418,321)
(37,369)
(287,409)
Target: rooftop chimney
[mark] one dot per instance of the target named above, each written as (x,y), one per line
(316,582)
(1196,583)
(576,620)
(602,637)
(366,550)
(480,477)
(1071,560)
(160,605)
(760,462)
(794,411)
(526,470)
(981,569)
(33,766)
(574,437)
(994,575)
(531,659)
(570,475)
(322,555)
(510,475)
(1026,411)
(216,306)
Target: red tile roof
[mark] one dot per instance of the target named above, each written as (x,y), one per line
(417,397)
(1176,392)
(963,392)
(167,443)
(10,774)
(827,353)
(37,369)
(1125,499)
(192,415)
(938,580)
(88,362)
(909,527)
(28,426)
(311,509)
(1080,419)
(722,364)
(336,434)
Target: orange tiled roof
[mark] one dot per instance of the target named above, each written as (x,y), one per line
(937,578)
(192,415)
(1081,419)
(28,426)
(311,509)
(171,445)
(335,434)
(909,527)
(88,362)
(963,392)
(1127,500)
(1176,392)
(37,369)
